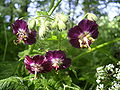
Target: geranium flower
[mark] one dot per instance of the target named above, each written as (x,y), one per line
(20,29)
(58,59)
(84,34)
(37,64)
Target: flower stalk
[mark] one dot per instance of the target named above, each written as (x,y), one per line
(35,77)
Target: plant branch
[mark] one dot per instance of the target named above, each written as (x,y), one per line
(54,7)
(97,47)
(52,4)
(6,43)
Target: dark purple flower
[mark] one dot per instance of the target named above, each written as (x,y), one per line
(58,59)
(20,29)
(82,35)
(37,64)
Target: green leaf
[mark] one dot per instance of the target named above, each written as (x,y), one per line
(7,68)
(23,54)
(12,83)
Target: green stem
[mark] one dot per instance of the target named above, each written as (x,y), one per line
(85,16)
(85,86)
(35,77)
(59,40)
(97,47)
(54,7)
(6,44)
(52,4)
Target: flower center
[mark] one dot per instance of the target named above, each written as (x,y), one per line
(56,62)
(22,35)
(85,40)
(36,67)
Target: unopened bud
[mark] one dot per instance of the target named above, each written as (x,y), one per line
(61,25)
(31,23)
(91,16)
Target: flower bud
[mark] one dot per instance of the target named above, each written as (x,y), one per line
(31,23)
(61,25)
(91,16)
(54,24)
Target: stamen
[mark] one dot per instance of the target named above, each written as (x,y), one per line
(86,41)
(80,41)
(36,67)
(15,42)
(22,35)
(56,63)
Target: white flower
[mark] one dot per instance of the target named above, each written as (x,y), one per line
(109,67)
(118,76)
(98,81)
(100,87)
(100,68)
(115,86)
(118,63)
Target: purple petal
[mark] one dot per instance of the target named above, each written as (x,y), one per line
(94,27)
(75,43)
(87,25)
(59,54)
(29,68)
(19,24)
(28,60)
(74,32)
(47,67)
(66,63)
(94,34)
(55,54)
(38,59)
(31,39)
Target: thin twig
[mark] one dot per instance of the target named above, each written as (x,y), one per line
(54,7)
(6,43)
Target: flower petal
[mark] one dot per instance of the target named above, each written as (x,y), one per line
(19,24)
(74,32)
(94,34)
(29,68)
(47,67)
(75,43)
(86,25)
(55,54)
(38,59)
(31,39)
(66,63)
(28,60)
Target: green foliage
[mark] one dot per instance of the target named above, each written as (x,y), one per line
(52,35)
(7,68)
(12,83)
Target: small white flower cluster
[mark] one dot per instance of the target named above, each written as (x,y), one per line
(108,77)
(115,86)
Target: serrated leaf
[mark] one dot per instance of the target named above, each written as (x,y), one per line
(7,68)
(12,83)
